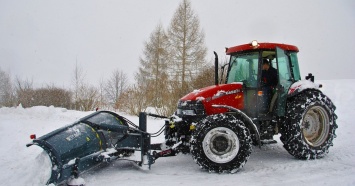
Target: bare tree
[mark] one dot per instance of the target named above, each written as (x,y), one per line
(204,78)
(88,99)
(24,92)
(115,86)
(187,49)
(101,93)
(133,100)
(171,62)
(23,84)
(78,84)
(6,90)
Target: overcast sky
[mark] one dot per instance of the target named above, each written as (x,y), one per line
(43,39)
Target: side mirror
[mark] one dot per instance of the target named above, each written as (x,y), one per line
(310,77)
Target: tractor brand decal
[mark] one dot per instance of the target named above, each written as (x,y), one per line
(233,92)
(222,93)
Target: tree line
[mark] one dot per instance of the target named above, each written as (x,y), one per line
(173,64)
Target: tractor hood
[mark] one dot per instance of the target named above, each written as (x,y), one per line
(223,94)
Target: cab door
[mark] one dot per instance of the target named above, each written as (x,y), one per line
(285,80)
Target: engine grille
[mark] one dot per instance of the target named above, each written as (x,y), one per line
(190,109)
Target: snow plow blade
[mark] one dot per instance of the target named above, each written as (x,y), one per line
(96,138)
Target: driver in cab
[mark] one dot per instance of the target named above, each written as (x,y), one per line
(269,80)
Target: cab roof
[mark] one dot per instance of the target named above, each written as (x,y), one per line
(266,46)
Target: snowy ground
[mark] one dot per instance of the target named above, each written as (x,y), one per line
(270,165)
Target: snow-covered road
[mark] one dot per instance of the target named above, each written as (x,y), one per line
(270,165)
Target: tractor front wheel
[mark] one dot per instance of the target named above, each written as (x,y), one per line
(310,126)
(221,143)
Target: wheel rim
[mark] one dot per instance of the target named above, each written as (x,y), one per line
(221,145)
(315,126)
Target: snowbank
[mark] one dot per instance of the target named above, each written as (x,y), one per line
(270,165)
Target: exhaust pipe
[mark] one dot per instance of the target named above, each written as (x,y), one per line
(215,68)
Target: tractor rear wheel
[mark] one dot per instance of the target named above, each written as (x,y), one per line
(221,143)
(310,125)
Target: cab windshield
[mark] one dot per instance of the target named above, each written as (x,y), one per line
(244,68)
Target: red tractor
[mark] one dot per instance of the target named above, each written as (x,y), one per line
(262,95)
(219,124)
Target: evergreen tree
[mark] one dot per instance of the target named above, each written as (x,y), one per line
(187,50)
(152,77)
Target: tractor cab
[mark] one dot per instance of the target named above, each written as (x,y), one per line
(246,66)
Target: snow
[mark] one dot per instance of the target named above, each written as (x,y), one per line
(196,91)
(270,165)
(219,94)
(302,85)
(76,182)
(200,98)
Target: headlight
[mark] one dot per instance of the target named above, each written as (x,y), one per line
(190,108)
(188,112)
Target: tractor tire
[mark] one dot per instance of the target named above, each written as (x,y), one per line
(221,143)
(310,125)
